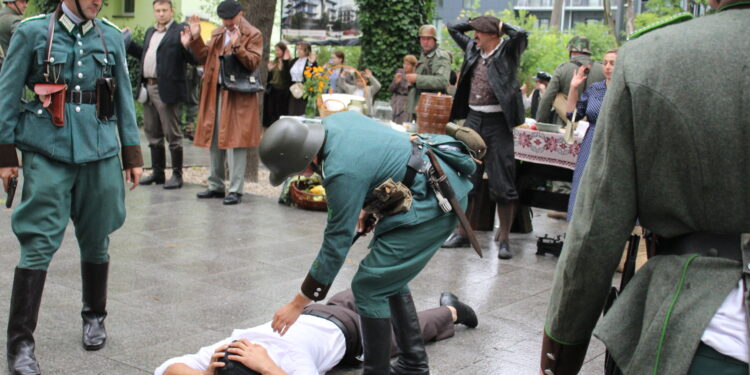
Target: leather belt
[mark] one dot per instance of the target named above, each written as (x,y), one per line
(81,97)
(151,81)
(707,244)
(414,165)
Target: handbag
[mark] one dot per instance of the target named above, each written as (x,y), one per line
(297,90)
(235,77)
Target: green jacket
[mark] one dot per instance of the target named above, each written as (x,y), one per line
(9,20)
(79,60)
(433,75)
(671,150)
(560,83)
(359,154)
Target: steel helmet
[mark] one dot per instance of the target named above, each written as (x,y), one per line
(429,31)
(288,146)
(579,44)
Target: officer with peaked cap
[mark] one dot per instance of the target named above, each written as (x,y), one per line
(70,143)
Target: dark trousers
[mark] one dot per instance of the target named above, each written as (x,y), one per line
(708,361)
(500,160)
(436,324)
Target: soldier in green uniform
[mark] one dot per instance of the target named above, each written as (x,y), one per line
(71,168)
(671,150)
(355,155)
(580,54)
(433,70)
(10,16)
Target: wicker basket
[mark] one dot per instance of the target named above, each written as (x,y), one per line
(322,106)
(305,200)
(325,112)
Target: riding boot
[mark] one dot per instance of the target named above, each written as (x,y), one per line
(158,163)
(94,280)
(412,357)
(28,285)
(376,344)
(175,182)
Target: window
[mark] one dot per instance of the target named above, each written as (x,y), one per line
(128,6)
(469,4)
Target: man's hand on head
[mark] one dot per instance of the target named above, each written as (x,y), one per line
(254,357)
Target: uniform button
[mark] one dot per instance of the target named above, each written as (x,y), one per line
(39,112)
(51,59)
(78,88)
(78,35)
(80,75)
(78,109)
(80,63)
(548,372)
(81,51)
(318,289)
(550,356)
(80,43)
(316,294)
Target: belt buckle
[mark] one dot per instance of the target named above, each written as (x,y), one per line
(76,97)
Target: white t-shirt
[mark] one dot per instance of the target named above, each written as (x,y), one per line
(312,346)
(727,330)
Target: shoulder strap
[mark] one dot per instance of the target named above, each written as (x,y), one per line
(104,45)
(50,36)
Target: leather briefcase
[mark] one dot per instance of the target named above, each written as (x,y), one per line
(235,77)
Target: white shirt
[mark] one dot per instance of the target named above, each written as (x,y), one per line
(312,346)
(298,69)
(727,330)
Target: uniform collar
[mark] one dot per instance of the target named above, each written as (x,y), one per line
(69,21)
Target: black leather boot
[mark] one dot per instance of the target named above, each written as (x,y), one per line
(376,344)
(94,285)
(28,285)
(412,357)
(158,163)
(175,182)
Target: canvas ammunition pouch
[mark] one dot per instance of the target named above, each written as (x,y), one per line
(391,198)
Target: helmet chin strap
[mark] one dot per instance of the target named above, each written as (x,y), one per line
(80,11)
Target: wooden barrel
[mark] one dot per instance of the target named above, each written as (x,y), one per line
(433,112)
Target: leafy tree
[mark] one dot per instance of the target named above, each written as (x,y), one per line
(389,32)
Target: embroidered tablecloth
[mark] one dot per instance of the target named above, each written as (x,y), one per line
(540,147)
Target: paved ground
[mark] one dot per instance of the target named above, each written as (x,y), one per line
(185,272)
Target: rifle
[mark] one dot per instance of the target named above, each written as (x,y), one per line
(610,367)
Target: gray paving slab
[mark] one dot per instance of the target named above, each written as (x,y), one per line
(185,272)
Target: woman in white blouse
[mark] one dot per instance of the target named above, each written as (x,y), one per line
(305,57)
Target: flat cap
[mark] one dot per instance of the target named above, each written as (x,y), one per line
(228,9)
(486,24)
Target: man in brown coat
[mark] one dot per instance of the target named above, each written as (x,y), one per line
(227,120)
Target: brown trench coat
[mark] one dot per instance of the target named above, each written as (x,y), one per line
(239,125)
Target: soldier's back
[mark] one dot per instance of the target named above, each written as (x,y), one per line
(688,84)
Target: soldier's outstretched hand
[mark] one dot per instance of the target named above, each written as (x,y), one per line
(288,314)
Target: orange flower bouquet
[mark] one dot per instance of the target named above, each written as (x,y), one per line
(316,83)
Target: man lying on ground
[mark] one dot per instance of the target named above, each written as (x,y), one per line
(323,336)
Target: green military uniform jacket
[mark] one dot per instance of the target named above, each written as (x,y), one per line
(9,20)
(78,60)
(672,149)
(433,75)
(560,83)
(360,154)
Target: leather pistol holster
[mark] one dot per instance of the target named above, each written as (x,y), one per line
(52,96)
